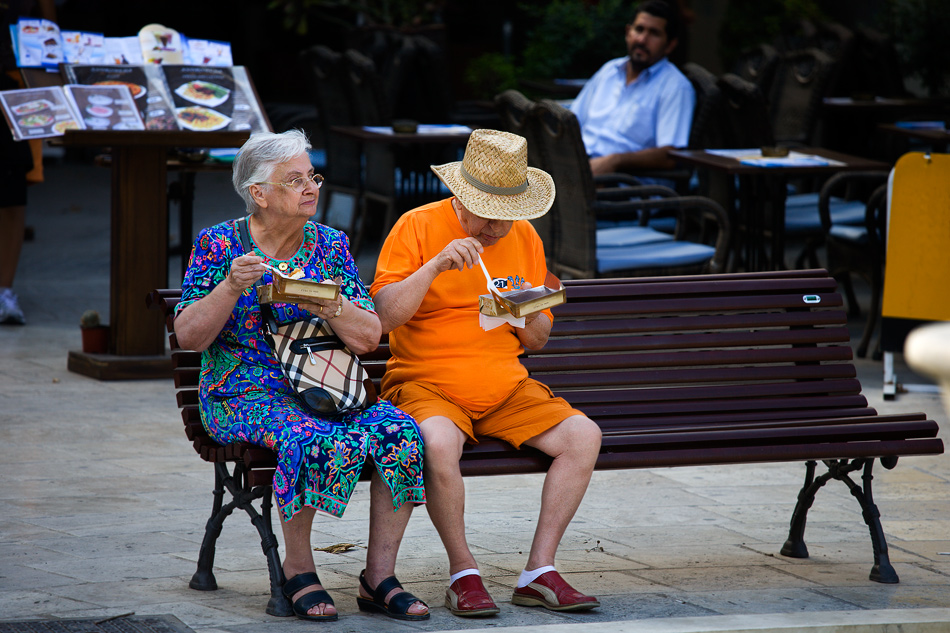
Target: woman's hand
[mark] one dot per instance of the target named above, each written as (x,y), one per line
(244,273)
(325,308)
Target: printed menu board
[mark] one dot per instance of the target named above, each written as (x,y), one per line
(37,112)
(146,83)
(105,107)
(213,98)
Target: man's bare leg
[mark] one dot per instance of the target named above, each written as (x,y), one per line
(574,444)
(445,490)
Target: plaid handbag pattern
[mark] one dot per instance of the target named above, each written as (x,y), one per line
(327,376)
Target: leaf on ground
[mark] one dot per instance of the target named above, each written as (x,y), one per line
(339,548)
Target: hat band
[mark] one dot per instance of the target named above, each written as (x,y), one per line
(487,188)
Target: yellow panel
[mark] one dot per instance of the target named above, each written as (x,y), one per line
(917,277)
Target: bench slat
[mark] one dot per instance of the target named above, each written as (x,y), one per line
(811,336)
(748,320)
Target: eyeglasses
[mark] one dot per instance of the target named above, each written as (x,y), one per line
(298,184)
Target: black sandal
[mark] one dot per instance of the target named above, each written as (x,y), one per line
(309,600)
(398,607)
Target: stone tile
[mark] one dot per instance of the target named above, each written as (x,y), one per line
(936,551)
(692,555)
(31,603)
(840,552)
(736,578)
(918,530)
(131,568)
(766,600)
(877,596)
(853,574)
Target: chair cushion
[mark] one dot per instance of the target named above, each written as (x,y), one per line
(629,236)
(805,219)
(853,234)
(655,255)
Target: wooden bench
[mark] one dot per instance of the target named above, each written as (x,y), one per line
(677,371)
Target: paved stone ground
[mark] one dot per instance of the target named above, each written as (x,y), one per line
(105,501)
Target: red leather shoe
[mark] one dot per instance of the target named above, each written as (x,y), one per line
(468,598)
(552,592)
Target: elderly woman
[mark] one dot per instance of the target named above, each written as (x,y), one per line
(245,397)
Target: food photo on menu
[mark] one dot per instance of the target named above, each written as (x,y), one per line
(38,112)
(203,96)
(109,107)
(145,83)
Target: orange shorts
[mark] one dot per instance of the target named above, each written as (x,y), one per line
(528,411)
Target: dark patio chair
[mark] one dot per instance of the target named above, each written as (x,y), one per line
(858,250)
(748,126)
(757,65)
(583,250)
(325,78)
(515,112)
(803,79)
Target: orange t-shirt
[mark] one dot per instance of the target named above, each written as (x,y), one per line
(443,343)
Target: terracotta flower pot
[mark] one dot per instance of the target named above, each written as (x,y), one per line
(95,340)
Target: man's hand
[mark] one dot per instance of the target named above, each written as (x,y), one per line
(601,165)
(458,255)
(245,271)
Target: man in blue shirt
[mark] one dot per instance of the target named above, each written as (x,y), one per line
(635,108)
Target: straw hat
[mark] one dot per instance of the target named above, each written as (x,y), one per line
(493,180)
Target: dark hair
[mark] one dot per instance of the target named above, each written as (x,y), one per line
(661,9)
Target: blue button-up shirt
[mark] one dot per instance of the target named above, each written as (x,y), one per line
(655,110)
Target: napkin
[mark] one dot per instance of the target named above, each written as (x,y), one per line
(490,323)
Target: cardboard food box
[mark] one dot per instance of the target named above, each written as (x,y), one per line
(287,290)
(519,303)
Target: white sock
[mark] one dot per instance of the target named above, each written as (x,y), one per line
(528,577)
(463,573)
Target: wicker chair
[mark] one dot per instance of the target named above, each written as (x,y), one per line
(515,111)
(858,250)
(324,69)
(583,250)
(757,65)
(802,80)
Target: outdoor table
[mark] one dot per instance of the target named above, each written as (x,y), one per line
(937,137)
(139,246)
(849,123)
(769,183)
(427,136)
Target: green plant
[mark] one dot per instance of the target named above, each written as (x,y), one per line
(751,22)
(297,13)
(919,28)
(573,38)
(89,318)
(489,74)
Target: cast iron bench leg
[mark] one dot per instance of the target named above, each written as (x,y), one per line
(203,579)
(794,547)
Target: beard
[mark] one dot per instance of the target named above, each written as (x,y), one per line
(641,62)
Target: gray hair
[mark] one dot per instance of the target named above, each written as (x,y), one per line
(260,154)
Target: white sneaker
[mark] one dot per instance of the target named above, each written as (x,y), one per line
(10,312)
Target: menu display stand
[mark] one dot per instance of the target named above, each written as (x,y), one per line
(139,246)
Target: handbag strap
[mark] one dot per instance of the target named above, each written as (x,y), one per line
(268,315)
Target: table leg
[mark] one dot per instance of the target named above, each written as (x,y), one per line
(139,264)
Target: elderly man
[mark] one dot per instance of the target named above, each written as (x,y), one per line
(635,108)
(460,381)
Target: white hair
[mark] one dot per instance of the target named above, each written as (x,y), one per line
(260,154)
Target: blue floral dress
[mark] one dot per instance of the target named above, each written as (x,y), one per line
(245,397)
